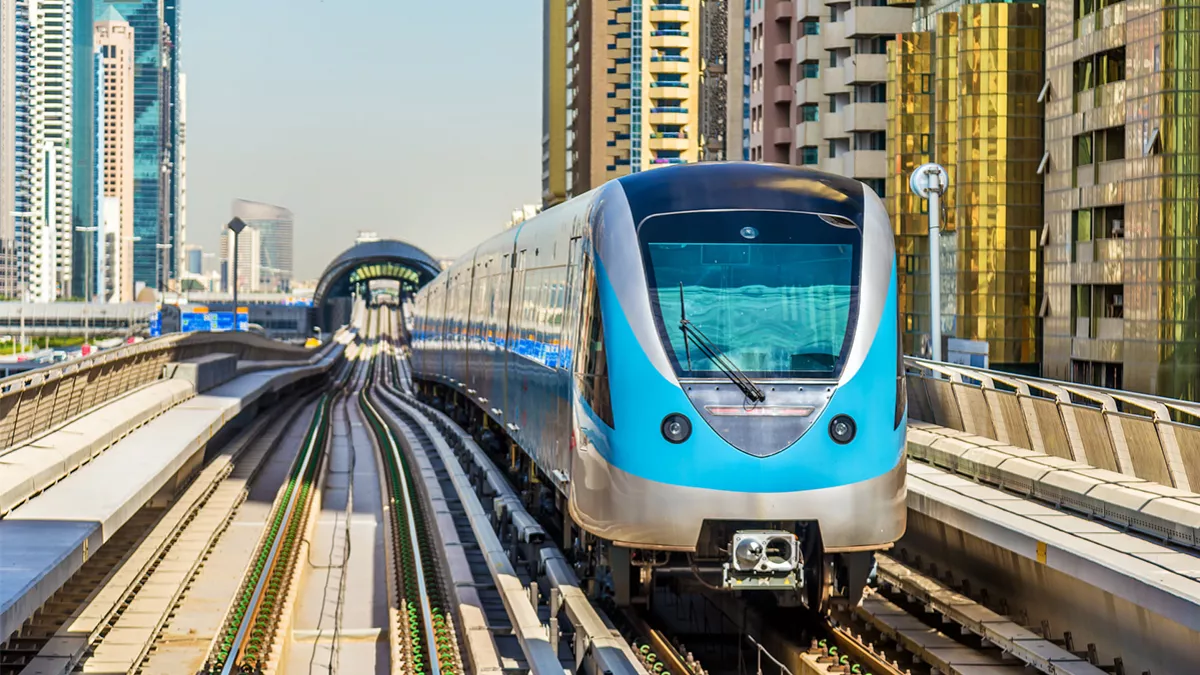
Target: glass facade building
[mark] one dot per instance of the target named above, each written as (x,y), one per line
(1122,251)
(155,121)
(965,93)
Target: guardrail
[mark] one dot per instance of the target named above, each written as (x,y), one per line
(34,402)
(1153,438)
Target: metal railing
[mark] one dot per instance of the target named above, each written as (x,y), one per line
(34,402)
(1148,437)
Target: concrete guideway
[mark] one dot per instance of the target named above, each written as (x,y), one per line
(46,539)
(1137,599)
(340,617)
(33,466)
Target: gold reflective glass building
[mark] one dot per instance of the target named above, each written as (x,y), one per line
(1123,195)
(964,93)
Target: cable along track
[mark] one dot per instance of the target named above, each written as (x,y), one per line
(427,639)
(249,632)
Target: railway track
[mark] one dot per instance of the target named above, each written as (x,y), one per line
(427,641)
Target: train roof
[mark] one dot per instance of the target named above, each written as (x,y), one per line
(741,185)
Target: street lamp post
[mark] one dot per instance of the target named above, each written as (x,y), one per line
(929,181)
(235,226)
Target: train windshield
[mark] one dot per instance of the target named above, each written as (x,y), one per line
(775,292)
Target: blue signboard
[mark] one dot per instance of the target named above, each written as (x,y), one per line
(156,324)
(191,322)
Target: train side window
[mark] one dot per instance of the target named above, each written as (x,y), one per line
(592,360)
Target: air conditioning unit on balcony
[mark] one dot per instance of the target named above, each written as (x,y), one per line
(1118,228)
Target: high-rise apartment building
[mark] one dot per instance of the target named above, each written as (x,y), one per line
(274,225)
(114,41)
(965,91)
(634,83)
(181,184)
(8,160)
(51,31)
(554,102)
(1122,195)
(818,81)
(18,117)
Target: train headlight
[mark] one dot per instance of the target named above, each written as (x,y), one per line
(842,429)
(676,428)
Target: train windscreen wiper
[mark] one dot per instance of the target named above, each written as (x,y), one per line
(714,354)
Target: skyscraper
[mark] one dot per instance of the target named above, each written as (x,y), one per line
(16,271)
(273,225)
(114,41)
(85,156)
(634,85)
(155,25)
(1122,305)
(554,102)
(181,186)
(965,91)
(818,74)
(8,159)
(51,95)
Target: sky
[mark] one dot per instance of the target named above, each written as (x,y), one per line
(417,119)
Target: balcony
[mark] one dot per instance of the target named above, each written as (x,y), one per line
(810,90)
(669,115)
(779,10)
(869,21)
(670,39)
(865,116)
(670,12)
(834,34)
(834,80)
(667,64)
(669,90)
(833,125)
(809,133)
(864,164)
(669,142)
(809,48)
(810,9)
(865,68)
(782,93)
(781,135)
(783,52)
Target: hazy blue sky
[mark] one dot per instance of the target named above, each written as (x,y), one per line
(417,119)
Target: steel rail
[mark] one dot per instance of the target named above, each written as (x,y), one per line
(249,618)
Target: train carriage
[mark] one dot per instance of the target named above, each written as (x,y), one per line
(701,361)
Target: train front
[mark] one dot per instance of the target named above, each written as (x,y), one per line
(755,384)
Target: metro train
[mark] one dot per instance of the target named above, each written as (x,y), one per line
(699,366)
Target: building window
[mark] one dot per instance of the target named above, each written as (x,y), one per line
(1090,227)
(811,27)
(872,140)
(833,59)
(808,155)
(808,112)
(1097,373)
(1100,69)
(878,185)
(1098,311)
(811,69)
(1101,145)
